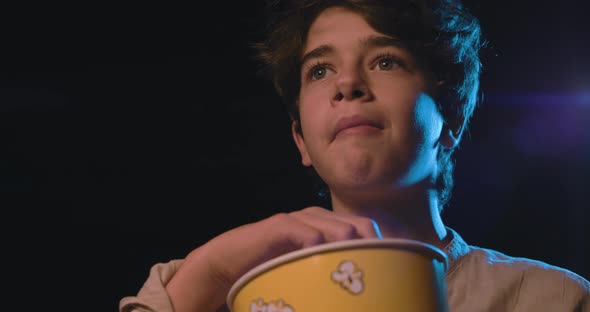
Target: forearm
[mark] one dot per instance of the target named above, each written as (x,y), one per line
(194,288)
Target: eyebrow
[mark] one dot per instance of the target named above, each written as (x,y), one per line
(373,41)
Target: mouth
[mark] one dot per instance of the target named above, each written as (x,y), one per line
(356,124)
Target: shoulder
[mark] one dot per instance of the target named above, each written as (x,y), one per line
(517,282)
(531,269)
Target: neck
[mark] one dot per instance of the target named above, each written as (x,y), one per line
(413,215)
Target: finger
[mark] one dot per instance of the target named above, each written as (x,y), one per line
(293,233)
(365,227)
(333,229)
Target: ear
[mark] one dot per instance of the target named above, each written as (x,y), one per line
(451,133)
(300,142)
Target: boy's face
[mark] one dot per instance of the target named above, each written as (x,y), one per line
(367,81)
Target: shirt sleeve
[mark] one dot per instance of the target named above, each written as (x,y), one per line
(559,290)
(488,280)
(577,291)
(152,297)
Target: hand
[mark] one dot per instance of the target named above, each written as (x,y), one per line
(208,272)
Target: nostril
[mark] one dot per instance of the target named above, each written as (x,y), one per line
(354,94)
(357,93)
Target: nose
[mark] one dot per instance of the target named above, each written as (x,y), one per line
(351,85)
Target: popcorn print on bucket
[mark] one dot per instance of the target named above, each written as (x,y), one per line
(278,306)
(349,276)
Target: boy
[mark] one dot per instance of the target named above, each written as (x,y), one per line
(380,93)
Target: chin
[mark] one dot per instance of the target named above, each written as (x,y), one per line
(359,181)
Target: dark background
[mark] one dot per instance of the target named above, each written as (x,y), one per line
(133,134)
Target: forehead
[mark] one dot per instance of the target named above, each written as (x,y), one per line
(338,26)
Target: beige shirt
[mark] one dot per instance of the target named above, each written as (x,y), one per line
(478,279)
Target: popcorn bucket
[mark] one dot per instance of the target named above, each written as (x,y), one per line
(377,275)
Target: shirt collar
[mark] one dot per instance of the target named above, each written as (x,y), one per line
(456,249)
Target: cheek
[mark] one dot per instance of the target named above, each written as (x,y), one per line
(310,124)
(312,109)
(427,118)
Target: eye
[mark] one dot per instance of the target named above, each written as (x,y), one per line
(318,72)
(388,62)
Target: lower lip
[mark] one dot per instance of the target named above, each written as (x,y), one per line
(359,130)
